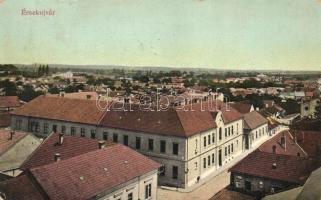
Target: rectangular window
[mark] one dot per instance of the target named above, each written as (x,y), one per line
(229,131)
(229,150)
(232,149)
(93,134)
(54,128)
(125,140)
(163,146)
(208,160)
(45,128)
(213,158)
(225,151)
(18,124)
(209,139)
(82,132)
(225,132)
(237,128)
(204,163)
(148,191)
(213,138)
(175,148)
(205,141)
(175,172)
(72,131)
(35,127)
(115,138)
(63,129)
(105,135)
(137,142)
(130,196)
(150,145)
(232,130)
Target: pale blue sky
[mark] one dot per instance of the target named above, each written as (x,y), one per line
(231,34)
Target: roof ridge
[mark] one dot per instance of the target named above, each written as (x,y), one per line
(38,147)
(180,122)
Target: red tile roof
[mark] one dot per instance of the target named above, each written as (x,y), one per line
(5,141)
(171,122)
(242,107)
(90,174)
(310,141)
(9,101)
(291,169)
(71,146)
(60,108)
(227,194)
(254,120)
(78,95)
(174,121)
(20,188)
(291,147)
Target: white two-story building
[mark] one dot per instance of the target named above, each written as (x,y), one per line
(191,143)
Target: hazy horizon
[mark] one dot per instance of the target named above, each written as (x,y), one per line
(223,35)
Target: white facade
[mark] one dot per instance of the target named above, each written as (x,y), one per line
(186,160)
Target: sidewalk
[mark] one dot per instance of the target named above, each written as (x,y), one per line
(204,192)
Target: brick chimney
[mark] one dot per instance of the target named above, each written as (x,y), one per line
(11,135)
(57,157)
(101,144)
(61,138)
(274,149)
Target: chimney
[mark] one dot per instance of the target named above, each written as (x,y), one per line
(62,94)
(61,138)
(101,144)
(274,166)
(274,149)
(11,135)
(57,157)
(283,142)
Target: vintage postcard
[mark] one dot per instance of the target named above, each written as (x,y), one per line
(160,99)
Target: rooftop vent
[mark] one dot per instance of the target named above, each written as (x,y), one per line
(61,138)
(283,143)
(11,135)
(101,144)
(57,157)
(62,94)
